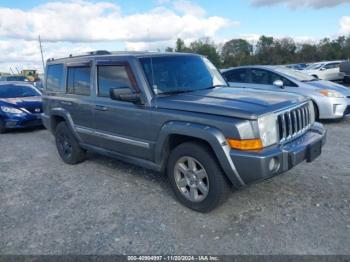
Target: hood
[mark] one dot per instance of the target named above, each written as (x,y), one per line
(30,103)
(232,102)
(322,84)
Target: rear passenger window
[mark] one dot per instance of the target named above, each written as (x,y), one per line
(54,79)
(78,81)
(111,76)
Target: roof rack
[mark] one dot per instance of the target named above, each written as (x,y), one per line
(91,53)
(102,52)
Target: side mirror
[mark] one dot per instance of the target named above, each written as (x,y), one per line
(125,94)
(322,69)
(278,83)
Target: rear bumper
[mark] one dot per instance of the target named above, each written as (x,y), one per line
(254,166)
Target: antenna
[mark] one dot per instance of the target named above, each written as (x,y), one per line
(42,55)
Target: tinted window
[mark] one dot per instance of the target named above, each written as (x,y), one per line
(331,66)
(286,82)
(112,77)
(180,73)
(54,80)
(15,78)
(264,77)
(259,76)
(78,82)
(238,75)
(14,91)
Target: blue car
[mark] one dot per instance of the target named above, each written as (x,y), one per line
(20,106)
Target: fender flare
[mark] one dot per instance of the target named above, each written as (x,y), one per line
(67,117)
(213,136)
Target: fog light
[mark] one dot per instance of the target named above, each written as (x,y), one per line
(11,123)
(274,164)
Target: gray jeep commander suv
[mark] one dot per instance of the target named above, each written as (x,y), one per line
(173,112)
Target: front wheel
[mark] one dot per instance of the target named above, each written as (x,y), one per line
(196,178)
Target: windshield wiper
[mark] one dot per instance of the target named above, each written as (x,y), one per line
(176,92)
(311,80)
(189,91)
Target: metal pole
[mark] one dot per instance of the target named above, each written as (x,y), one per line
(42,55)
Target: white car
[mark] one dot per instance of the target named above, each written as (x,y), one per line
(325,71)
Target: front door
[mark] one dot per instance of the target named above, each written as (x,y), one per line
(120,126)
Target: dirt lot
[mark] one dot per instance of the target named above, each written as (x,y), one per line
(104,206)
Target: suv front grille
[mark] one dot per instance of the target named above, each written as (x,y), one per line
(294,122)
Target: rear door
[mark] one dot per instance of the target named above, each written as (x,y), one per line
(122,127)
(78,101)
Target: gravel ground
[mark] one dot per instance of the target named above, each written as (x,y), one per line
(104,206)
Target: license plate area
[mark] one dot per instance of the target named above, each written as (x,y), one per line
(313,151)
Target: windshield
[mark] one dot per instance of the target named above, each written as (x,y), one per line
(181,73)
(14,91)
(298,75)
(314,66)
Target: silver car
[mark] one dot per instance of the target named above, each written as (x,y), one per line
(331,100)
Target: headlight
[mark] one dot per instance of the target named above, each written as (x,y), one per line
(331,93)
(11,110)
(268,129)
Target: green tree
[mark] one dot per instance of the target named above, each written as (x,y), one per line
(265,50)
(181,46)
(236,52)
(206,48)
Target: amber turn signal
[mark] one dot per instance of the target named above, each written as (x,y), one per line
(248,144)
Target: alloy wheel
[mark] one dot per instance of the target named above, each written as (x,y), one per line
(191,179)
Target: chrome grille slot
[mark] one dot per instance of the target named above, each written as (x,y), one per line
(294,122)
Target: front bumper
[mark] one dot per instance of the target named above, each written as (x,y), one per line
(27,121)
(333,108)
(254,166)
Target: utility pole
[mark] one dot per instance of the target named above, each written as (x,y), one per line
(42,55)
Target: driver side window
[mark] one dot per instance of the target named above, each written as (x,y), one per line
(112,76)
(286,82)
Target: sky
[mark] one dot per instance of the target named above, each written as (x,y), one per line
(77,26)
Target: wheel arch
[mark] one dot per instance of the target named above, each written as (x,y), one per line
(59,115)
(175,132)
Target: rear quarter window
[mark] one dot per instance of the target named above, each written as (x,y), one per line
(54,79)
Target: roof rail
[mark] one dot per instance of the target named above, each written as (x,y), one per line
(97,52)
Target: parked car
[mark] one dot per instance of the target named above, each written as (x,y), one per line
(331,100)
(345,69)
(299,67)
(173,112)
(325,71)
(20,106)
(16,78)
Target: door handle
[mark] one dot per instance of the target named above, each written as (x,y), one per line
(66,103)
(101,108)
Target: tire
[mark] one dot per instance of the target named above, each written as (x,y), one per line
(68,147)
(317,113)
(2,127)
(217,186)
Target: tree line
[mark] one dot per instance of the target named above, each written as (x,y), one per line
(267,51)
